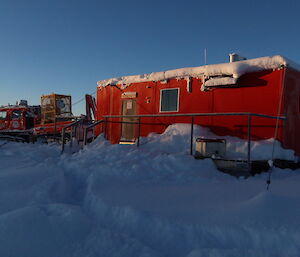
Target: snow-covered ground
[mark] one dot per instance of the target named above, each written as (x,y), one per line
(155,200)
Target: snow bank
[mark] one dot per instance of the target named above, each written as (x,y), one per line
(176,139)
(151,201)
(52,230)
(235,69)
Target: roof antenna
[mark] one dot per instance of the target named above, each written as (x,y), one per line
(205,56)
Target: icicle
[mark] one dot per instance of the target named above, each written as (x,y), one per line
(188,84)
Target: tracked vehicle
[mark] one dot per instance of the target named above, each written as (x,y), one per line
(25,122)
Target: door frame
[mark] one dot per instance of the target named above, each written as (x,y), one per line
(134,126)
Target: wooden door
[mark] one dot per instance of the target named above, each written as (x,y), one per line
(128,133)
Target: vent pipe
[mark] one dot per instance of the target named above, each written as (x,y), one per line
(23,103)
(233,57)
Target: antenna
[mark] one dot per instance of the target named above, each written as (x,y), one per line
(205,56)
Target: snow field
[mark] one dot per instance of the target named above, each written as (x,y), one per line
(156,200)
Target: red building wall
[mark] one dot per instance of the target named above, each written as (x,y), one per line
(291,105)
(257,92)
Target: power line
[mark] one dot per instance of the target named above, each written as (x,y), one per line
(82,99)
(268,182)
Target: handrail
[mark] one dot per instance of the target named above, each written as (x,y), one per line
(71,124)
(88,127)
(95,123)
(198,114)
(193,115)
(63,132)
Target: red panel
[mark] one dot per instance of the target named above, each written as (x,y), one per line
(10,124)
(291,108)
(257,93)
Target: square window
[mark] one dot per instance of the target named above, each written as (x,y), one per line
(16,114)
(3,115)
(169,100)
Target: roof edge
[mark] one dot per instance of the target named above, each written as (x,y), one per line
(236,69)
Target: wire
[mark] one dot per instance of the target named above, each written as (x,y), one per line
(268,182)
(82,99)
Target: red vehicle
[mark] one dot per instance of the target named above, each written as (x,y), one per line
(18,120)
(268,86)
(27,122)
(56,113)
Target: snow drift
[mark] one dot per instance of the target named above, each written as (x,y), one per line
(156,200)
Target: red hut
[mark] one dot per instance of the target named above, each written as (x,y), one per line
(223,93)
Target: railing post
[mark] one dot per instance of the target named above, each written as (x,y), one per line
(63,140)
(249,140)
(55,132)
(75,132)
(82,133)
(192,136)
(139,132)
(71,137)
(93,138)
(85,135)
(105,129)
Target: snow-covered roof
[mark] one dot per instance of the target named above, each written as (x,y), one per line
(234,69)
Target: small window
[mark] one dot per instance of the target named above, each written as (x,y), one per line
(169,100)
(16,115)
(3,115)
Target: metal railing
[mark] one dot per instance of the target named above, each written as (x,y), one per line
(63,133)
(76,125)
(192,122)
(193,115)
(93,125)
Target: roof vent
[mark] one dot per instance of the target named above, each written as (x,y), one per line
(233,57)
(23,103)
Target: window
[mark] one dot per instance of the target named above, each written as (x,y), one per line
(64,105)
(3,115)
(16,115)
(169,100)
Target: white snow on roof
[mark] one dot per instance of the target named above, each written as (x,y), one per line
(220,81)
(236,69)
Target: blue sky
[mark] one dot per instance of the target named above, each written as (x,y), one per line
(66,46)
